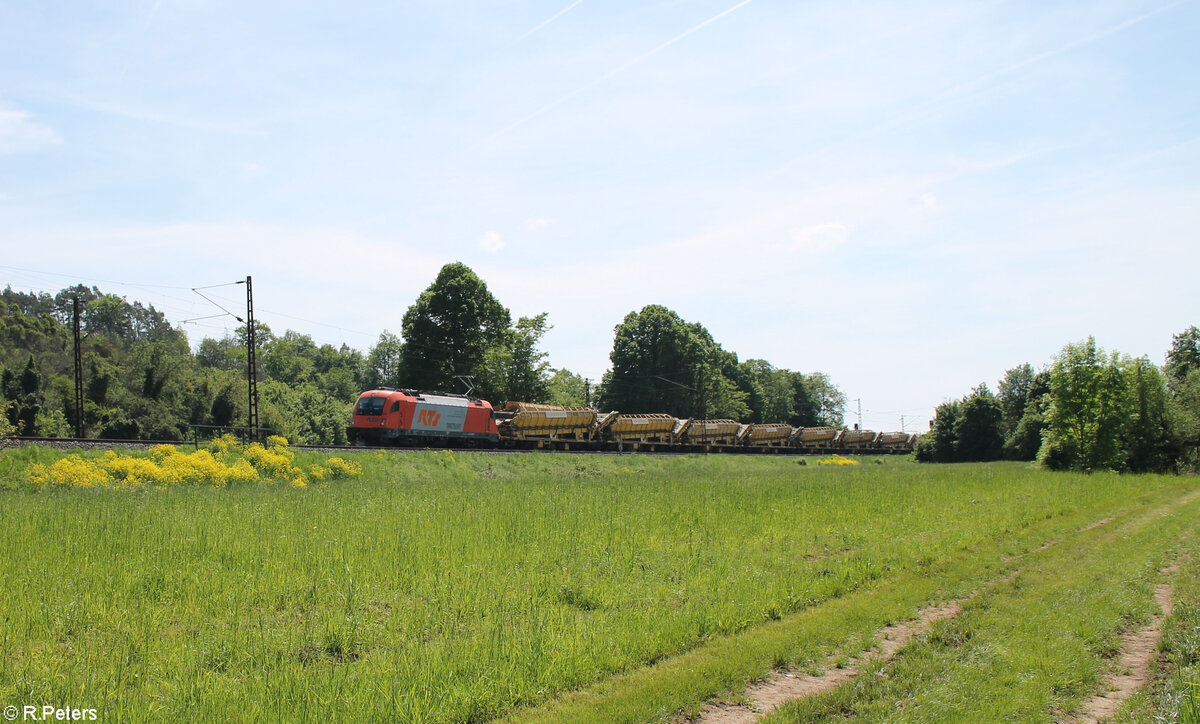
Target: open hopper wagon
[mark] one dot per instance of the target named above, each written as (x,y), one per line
(529,421)
(768,435)
(707,432)
(815,438)
(858,438)
(648,428)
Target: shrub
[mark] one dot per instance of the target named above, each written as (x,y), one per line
(836,459)
(164,466)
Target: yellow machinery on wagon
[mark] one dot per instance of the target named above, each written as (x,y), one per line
(815,437)
(530,421)
(775,434)
(707,432)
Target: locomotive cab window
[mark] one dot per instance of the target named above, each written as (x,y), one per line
(395,406)
(370,406)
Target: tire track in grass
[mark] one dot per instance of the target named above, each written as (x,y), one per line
(784,686)
(1137,649)
(665,691)
(1137,652)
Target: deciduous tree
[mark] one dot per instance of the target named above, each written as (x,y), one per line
(449,329)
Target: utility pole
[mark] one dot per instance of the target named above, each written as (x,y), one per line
(902,424)
(587,392)
(79,423)
(251,365)
(859,401)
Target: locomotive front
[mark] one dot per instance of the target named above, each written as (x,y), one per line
(387,416)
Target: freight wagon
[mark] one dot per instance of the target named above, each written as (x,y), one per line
(388,416)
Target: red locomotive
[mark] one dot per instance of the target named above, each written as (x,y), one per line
(387,416)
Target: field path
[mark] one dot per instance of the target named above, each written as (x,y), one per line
(782,687)
(1137,651)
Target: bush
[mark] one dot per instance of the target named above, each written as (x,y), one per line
(164,466)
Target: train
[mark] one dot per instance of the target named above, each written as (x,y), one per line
(402,417)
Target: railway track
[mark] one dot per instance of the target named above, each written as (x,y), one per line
(71,443)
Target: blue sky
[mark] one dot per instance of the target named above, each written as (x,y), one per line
(910,197)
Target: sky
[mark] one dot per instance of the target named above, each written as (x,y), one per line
(909,197)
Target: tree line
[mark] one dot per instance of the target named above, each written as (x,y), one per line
(1087,410)
(144,381)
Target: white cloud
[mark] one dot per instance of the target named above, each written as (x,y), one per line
(536,224)
(491,242)
(819,237)
(18,133)
(930,201)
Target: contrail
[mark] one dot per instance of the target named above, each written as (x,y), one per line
(616,71)
(547,21)
(1087,40)
(945,98)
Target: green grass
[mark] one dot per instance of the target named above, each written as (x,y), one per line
(1174,694)
(456,587)
(1033,650)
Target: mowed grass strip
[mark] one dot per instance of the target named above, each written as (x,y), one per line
(454,587)
(1033,650)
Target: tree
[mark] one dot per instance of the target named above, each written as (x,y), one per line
(449,329)
(1087,412)
(7,428)
(382,368)
(1183,416)
(1184,355)
(780,395)
(829,401)
(977,427)
(24,390)
(1023,439)
(940,444)
(514,368)
(1013,396)
(660,363)
(1146,438)
(220,354)
(566,388)
(289,358)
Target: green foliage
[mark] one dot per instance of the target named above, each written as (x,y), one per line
(1087,409)
(303,413)
(977,427)
(777,395)
(1145,438)
(1023,401)
(1109,412)
(382,368)
(1183,415)
(781,395)
(566,388)
(514,368)
(1015,391)
(1184,355)
(828,399)
(449,329)
(966,430)
(7,428)
(660,363)
(940,444)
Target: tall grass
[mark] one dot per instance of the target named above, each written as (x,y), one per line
(454,587)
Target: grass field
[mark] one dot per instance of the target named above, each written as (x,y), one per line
(458,587)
